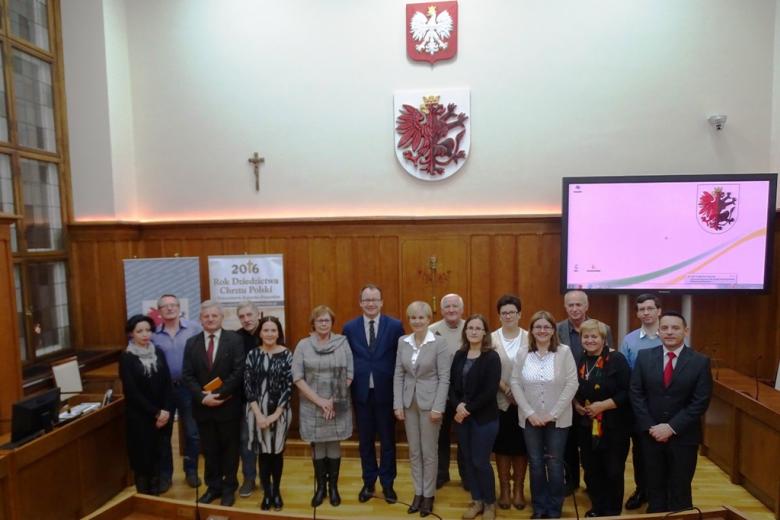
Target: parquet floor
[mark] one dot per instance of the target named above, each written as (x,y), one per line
(711,489)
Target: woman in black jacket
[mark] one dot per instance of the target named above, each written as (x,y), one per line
(146,384)
(604,422)
(474,378)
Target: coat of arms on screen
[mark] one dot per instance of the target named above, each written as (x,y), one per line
(717,207)
(432,31)
(432,132)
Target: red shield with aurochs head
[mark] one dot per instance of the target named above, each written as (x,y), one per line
(432,31)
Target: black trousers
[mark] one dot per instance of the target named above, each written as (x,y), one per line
(639,462)
(604,468)
(443,470)
(669,470)
(220,444)
(376,420)
(571,459)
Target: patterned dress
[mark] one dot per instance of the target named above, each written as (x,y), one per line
(268,382)
(326,369)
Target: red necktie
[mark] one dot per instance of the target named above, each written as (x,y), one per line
(210,353)
(668,369)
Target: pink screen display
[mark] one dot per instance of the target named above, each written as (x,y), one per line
(667,235)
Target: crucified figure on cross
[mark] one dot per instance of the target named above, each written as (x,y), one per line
(256,160)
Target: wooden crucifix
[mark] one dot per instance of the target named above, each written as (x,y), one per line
(256,160)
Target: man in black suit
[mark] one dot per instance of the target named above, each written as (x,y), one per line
(671,387)
(216,353)
(373,338)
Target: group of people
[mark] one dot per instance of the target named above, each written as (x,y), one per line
(546,398)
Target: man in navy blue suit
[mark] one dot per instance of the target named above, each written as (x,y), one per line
(671,387)
(373,338)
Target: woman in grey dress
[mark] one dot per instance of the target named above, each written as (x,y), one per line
(323,371)
(268,388)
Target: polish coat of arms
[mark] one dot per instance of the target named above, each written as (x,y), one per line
(717,207)
(432,132)
(432,31)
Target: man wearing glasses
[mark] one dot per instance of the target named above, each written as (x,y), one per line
(373,338)
(170,337)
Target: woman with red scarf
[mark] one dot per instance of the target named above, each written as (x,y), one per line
(604,422)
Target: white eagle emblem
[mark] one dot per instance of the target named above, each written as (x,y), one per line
(431,31)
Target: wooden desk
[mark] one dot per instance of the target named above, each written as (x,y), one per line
(100,379)
(742,435)
(69,472)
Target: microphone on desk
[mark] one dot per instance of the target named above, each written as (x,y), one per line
(396,501)
(759,357)
(692,508)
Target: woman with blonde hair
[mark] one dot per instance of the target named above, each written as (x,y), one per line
(420,385)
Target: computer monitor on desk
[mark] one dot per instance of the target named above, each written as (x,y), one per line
(35,414)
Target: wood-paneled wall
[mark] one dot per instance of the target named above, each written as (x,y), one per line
(328,261)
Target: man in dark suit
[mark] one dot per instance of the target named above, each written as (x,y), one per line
(671,387)
(216,353)
(373,338)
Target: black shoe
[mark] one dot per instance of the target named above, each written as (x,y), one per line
(193,480)
(441,480)
(265,504)
(426,506)
(278,504)
(333,481)
(390,496)
(321,478)
(591,513)
(228,499)
(245,491)
(165,485)
(415,505)
(366,493)
(208,497)
(636,500)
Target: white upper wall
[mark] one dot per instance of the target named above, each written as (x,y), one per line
(557,89)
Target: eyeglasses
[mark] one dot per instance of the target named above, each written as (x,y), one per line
(508,313)
(542,327)
(322,320)
(168,305)
(371,300)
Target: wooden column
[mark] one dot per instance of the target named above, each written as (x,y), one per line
(10,362)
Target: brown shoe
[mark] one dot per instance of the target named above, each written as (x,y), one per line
(474,510)
(489,513)
(503,465)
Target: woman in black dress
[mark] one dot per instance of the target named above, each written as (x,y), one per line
(268,388)
(146,384)
(604,419)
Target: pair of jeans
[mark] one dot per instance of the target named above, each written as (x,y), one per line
(182,401)
(546,446)
(476,440)
(248,456)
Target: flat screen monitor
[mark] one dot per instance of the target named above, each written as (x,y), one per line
(34,414)
(669,233)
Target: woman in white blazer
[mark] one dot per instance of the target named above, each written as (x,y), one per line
(420,386)
(544,381)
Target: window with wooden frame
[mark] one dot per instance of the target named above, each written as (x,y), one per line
(33,172)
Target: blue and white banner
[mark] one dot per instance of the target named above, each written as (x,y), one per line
(146,279)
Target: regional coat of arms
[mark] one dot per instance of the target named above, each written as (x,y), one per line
(717,207)
(432,31)
(432,132)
